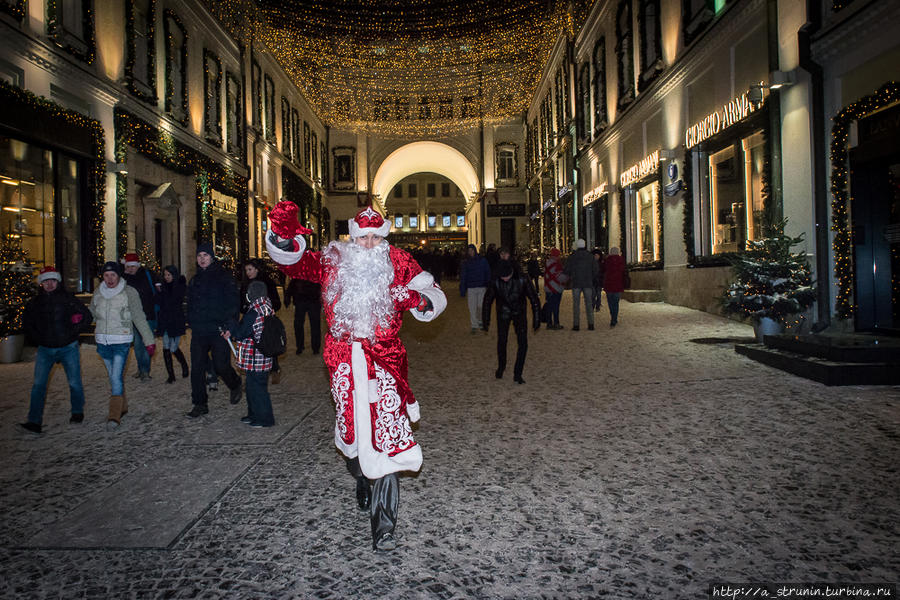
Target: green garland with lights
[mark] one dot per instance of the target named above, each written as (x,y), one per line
(169,17)
(162,148)
(52,114)
(15,9)
(888,94)
(131,53)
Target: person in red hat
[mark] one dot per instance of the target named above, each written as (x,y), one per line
(367,285)
(54,320)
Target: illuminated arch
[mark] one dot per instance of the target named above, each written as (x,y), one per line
(425,157)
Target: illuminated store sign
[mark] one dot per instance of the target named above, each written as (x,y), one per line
(736,110)
(647,166)
(596,193)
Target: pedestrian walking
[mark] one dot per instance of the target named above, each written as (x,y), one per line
(53,320)
(171,319)
(614,283)
(212,301)
(118,312)
(307,298)
(533,268)
(512,291)
(474,277)
(141,280)
(250,359)
(581,268)
(255,270)
(554,284)
(368,285)
(598,279)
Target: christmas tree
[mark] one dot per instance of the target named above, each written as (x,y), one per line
(769,280)
(17,285)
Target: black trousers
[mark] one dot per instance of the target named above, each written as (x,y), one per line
(385,500)
(202,344)
(520,325)
(314,310)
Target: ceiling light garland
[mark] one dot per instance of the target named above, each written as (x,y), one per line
(400,67)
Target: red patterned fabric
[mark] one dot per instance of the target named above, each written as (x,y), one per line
(386,357)
(369,218)
(249,358)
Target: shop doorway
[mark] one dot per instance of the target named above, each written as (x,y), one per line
(508,234)
(596,220)
(876,244)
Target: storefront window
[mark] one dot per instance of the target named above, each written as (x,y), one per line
(735,193)
(28,200)
(646,220)
(225,240)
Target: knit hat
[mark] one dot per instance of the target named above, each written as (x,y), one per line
(579,243)
(110,266)
(49,272)
(131,259)
(505,269)
(367,221)
(206,247)
(256,289)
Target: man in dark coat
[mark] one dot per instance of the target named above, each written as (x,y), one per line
(582,268)
(512,290)
(53,320)
(307,298)
(140,279)
(212,300)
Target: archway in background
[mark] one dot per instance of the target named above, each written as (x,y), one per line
(431,157)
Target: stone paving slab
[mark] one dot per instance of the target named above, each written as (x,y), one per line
(633,463)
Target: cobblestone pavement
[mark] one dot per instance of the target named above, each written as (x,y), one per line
(634,463)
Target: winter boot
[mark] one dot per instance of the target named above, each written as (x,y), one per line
(167,358)
(116,406)
(124,404)
(182,361)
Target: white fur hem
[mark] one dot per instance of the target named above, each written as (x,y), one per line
(374,464)
(413,411)
(424,284)
(285,257)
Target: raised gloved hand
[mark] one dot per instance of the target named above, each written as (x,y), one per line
(77,318)
(151,350)
(283,220)
(424,304)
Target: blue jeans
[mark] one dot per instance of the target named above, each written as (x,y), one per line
(114,357)
(612,299)
(46,357)
(140,351)
(553,299)
(259,403)
(169,343)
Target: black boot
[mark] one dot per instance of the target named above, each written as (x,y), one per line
(183,362)
(167,358)
(363,493)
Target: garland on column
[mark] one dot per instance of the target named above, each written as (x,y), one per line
(121,198)
(53,114)
(888,94)
(687,225)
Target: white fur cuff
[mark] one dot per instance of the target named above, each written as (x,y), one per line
(285,257)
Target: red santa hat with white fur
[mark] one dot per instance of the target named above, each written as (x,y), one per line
(49,272)
(367,221)
(131,259)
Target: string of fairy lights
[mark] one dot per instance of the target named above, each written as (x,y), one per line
(841,199)
(395,67)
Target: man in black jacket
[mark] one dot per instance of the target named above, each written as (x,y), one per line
(140,279)
(212,301)
(53,320)
(511,289)
(307,299)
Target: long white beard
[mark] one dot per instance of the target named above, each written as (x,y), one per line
(360,291)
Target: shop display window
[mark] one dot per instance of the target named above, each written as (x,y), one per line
(398,221)
(445,220)
(735,194)
(432,221)
(646,219)
(460,220)
(413,221)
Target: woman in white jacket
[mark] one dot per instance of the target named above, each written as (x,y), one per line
(115,307)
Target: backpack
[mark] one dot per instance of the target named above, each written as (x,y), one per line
(273,339)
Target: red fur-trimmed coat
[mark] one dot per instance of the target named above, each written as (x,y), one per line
(387,444)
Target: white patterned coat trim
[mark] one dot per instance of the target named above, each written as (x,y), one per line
(374,464)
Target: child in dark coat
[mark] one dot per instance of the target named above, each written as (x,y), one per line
(250,359)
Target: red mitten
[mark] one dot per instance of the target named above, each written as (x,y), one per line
(151,350)
(283,220)
(77,318)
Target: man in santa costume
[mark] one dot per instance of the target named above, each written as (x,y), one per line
(367,284)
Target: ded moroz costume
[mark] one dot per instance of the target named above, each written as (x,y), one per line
(367,284)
